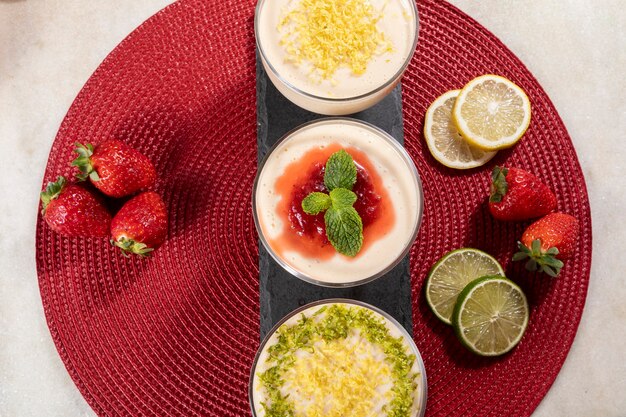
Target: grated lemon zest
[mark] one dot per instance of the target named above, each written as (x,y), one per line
(329,34)
(338,379)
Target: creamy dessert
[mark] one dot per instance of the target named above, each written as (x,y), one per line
(335,56)
(338,358)
(385,193)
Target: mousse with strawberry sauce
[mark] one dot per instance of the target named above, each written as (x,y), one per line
(337,202)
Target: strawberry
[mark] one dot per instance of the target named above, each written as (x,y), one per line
(71,210)
(547,241)
(141,224)
(114,168)
(518,195)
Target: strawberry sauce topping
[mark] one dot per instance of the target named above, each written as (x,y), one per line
(367,204)
(306,234)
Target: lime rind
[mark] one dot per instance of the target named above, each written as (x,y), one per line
(498,328)
(451,273)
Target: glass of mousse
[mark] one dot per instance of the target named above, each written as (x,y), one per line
(337,202)
(338,357)
(335,57)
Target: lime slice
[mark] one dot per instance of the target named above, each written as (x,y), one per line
(491,112)
(490,315)
(452,273)
(444,140)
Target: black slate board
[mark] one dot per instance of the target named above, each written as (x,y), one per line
(280,291)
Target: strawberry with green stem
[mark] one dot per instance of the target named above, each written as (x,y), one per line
(547,242)
(114,167)
(141,224)
(518,195)
(72,210)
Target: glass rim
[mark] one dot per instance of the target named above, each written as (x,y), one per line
(410,165)
(386,84)
(405,333)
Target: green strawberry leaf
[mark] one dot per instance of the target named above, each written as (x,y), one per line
(83,162)
(315,203)
(499,186)
(553,262)
(344,230)
(543,261)
(129,246)
(536,246)
(552,251)
(341,198)
(518,256)
(549,270)
(340,171)
(52,191)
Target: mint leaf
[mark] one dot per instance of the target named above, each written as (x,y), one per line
(340,198)
(340,171)
(315,203)
(344,230)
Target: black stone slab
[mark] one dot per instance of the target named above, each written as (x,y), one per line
(280,291)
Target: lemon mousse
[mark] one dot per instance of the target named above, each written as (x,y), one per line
(353,232)
(335,57)
(338,358)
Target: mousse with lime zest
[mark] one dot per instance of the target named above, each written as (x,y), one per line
(337,202)
(338,359)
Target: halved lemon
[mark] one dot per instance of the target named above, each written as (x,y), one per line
(491,112)
(491,315)
(444,140)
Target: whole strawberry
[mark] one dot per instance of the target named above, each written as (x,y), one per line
(71,210)
(114,168)
(547,241)
(141,224)
(518,195)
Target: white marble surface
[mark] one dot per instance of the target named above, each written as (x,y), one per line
(48,49)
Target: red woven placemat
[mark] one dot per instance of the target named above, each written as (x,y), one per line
(175,335)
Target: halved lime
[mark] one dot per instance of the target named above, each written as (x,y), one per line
(490,315)
(452,273)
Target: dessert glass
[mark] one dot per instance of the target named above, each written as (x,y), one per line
(399,178)
(331,98)
(419,405)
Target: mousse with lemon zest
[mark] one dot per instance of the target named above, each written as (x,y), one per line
(329,34)
(340,360)
(335,57)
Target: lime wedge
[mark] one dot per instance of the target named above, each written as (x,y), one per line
(490,315)
(452,273)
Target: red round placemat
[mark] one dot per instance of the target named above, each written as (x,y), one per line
(175,335)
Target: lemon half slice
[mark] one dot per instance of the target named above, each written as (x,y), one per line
(444,140)
(491,112)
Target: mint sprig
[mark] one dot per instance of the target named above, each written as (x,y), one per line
(344,227)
